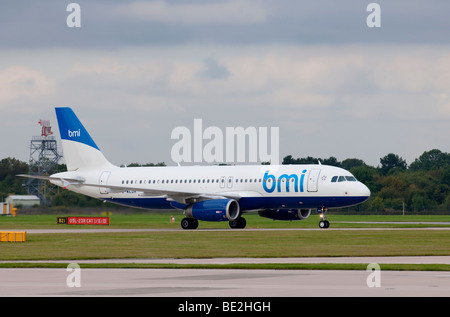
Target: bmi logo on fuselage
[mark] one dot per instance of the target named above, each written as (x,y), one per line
(270,182)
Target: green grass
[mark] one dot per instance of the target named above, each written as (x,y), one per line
(246,266)
(153,220)
(230,243)
(73,246)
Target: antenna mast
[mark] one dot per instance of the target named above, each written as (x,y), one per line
(44,158)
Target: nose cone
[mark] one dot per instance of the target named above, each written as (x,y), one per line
(364,191)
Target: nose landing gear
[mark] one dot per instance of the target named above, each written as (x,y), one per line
(323,223)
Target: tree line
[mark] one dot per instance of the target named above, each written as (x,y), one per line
(422,186)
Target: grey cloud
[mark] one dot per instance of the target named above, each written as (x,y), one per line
(33,24)
(214,70)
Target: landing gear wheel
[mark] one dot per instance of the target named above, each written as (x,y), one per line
(323,214)
(238,223)
(189,223)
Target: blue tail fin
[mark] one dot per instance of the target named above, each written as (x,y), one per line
(71,128)
(80,150)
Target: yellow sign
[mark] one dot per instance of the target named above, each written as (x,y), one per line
(13,236)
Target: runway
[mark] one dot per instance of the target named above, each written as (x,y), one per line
(229,283)
(221,283)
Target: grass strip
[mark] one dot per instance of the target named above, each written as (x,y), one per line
(240,266)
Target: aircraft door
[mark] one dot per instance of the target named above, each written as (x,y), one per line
(222,182)
(313,180)
(230,182)
(104,181)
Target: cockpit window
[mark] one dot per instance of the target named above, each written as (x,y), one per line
(335,179)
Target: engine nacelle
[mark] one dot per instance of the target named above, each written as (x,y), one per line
(214,210)
(285,214)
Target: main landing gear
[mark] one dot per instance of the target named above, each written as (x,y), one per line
(238,223)
(322,214)
(191,223)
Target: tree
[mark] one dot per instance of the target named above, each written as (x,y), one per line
(12,166)
(331,161)
(392,161)
(348,164)
(431,160)
(311,160)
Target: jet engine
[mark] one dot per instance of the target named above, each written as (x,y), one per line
(285,214)
(214,210)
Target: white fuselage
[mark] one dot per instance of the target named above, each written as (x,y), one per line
(258,187)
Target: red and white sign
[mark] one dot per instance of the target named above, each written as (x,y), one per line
(88,220)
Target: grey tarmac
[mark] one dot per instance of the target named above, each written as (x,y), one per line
(222,283)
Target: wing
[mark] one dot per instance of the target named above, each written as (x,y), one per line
(182,197)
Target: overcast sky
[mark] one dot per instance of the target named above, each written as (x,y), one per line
(136,70)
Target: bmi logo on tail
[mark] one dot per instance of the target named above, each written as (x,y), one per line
(74,134)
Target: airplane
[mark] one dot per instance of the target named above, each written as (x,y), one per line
(206,193)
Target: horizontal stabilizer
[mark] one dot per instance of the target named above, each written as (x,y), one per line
(66,181)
